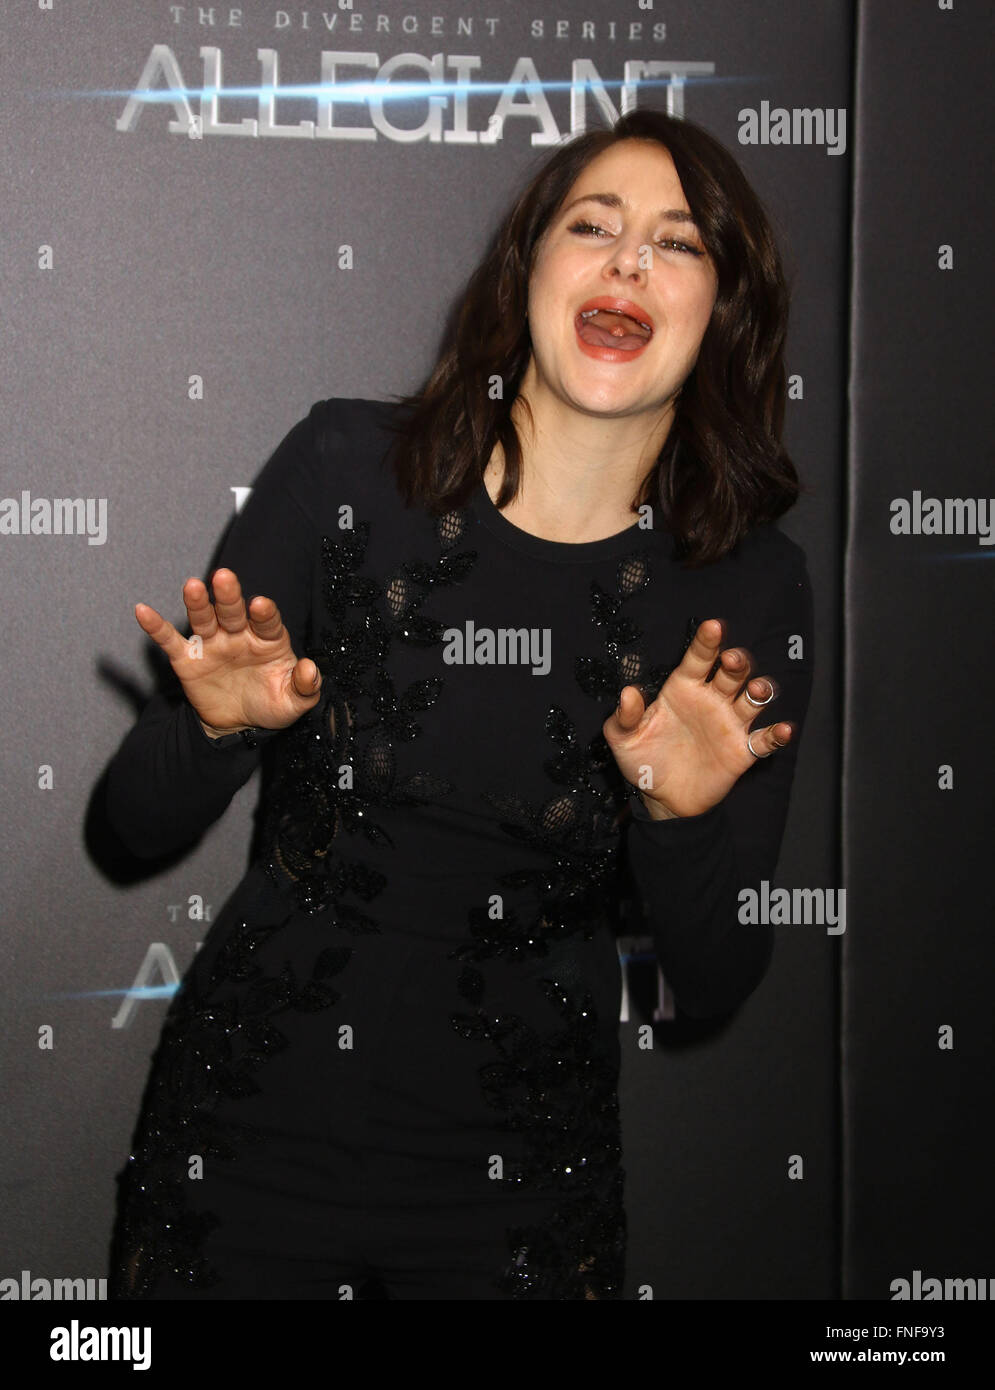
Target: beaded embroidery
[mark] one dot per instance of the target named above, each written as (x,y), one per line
(559,1092)
(211,1048)
(309,805)
(557,1089)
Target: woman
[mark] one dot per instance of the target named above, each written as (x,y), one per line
(485,650)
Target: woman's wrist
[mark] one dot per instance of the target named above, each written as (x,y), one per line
(656,810)
(215,733)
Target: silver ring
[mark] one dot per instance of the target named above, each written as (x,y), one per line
(750,746)
(760,703)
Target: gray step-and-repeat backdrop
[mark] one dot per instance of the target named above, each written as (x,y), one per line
(193,254)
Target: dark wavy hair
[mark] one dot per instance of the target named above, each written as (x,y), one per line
(722,469)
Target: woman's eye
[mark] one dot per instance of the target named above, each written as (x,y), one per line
(671,243)
(586,228)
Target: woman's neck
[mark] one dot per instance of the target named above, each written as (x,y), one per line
(579,473)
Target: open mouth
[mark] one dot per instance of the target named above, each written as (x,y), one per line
(607,325)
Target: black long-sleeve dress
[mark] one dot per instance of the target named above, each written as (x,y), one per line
(396,1054)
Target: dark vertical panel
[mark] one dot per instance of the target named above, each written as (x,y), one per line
(918,955)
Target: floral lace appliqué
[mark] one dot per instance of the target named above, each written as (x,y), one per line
(556,1088)
(215,1040)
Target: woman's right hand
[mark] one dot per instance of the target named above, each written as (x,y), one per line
(242,672)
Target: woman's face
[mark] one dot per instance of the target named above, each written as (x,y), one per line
(623,240)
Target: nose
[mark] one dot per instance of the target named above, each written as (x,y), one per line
(624,260)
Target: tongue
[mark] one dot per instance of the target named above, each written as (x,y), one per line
(605,329)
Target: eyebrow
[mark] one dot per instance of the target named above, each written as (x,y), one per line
(613,200)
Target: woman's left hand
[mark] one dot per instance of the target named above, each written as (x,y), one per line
(693,736)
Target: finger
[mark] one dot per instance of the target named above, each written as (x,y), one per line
(264,618)
(229,605)
(305,680)
(163,633)
(200,609)
(764,692)
(628,713)
(733,670)
(704,649)
(772,738)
